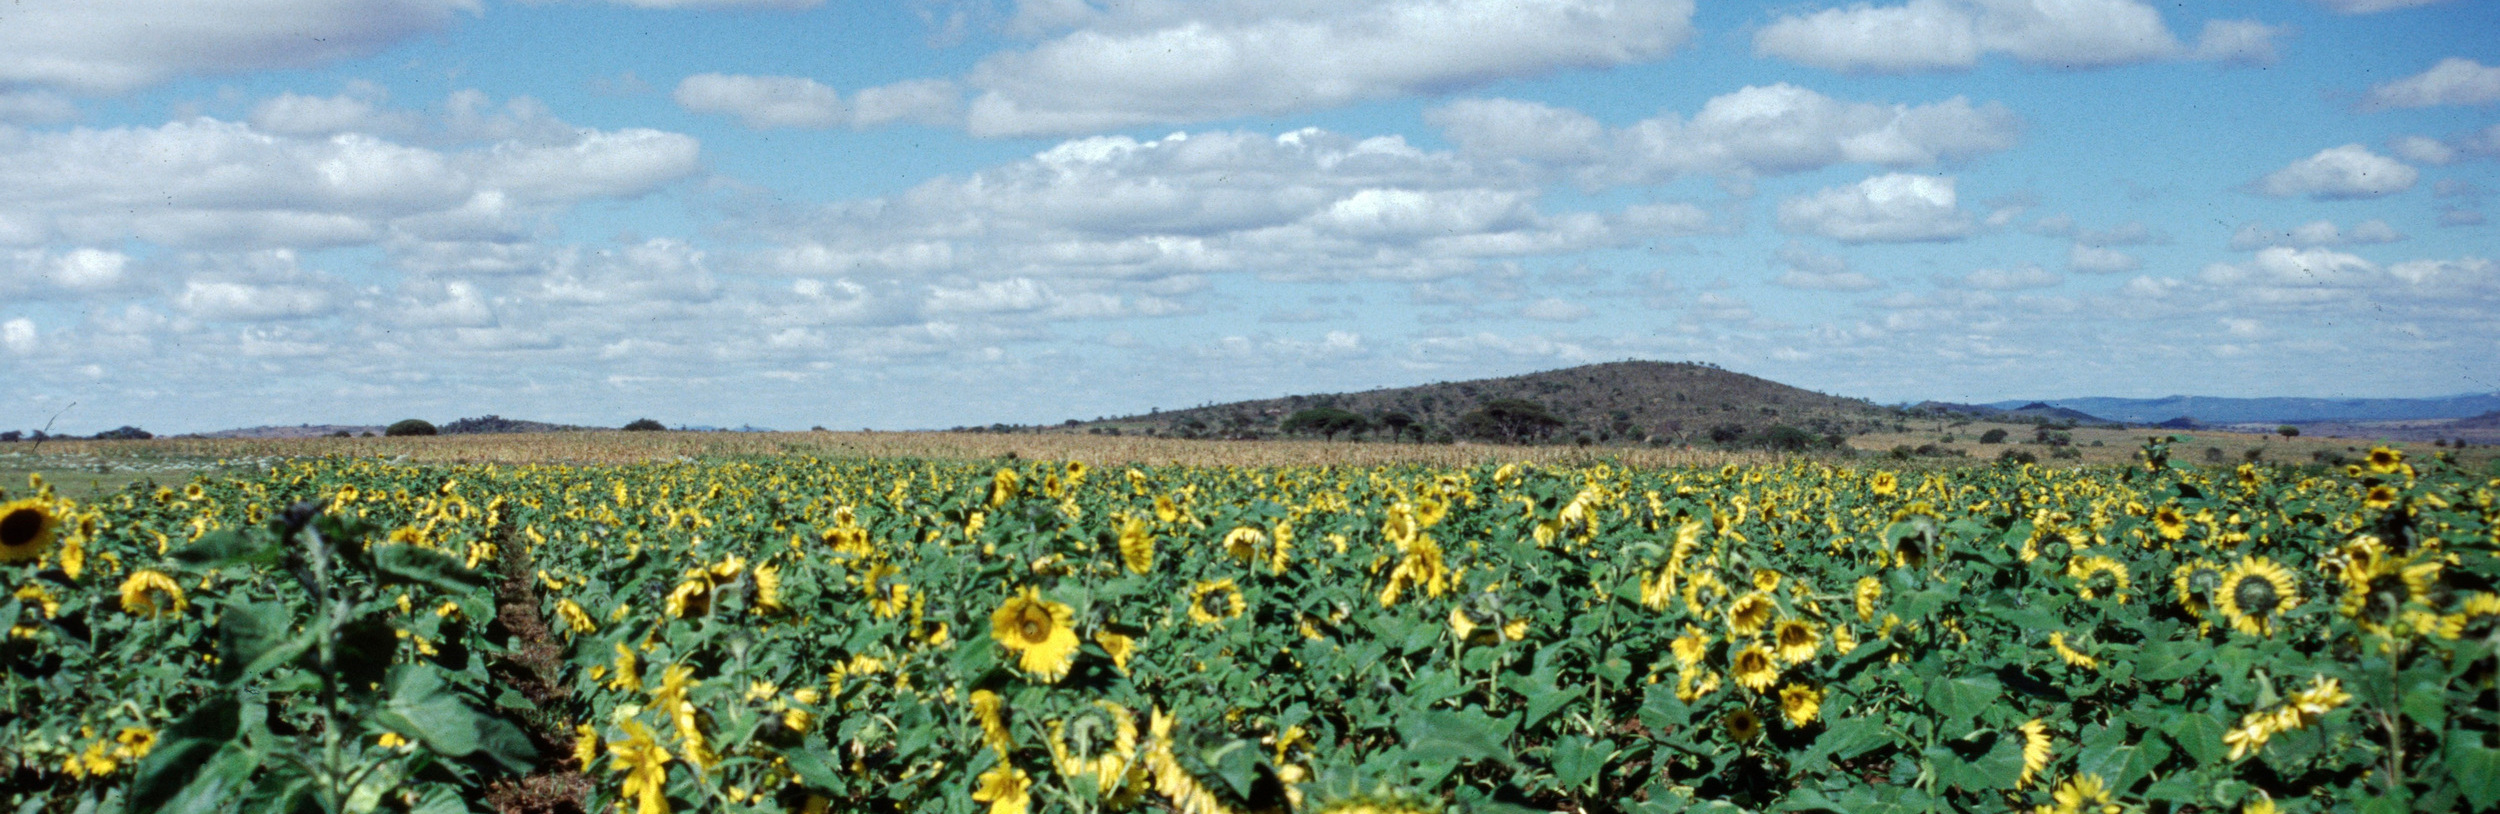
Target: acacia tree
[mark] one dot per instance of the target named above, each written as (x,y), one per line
(1327,421)
(1508,420)
(1398,423)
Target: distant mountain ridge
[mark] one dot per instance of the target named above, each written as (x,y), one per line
(2282,410)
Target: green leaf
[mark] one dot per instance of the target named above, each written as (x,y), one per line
(1577,760)
(2171,661)
(1961,699)
(2122,760)
(813,771)
(183,749)
(401,563)
(1437,735)
(2426,702)
(230,547)
(421,704)
(2475,767)
(2200,735)
(256,637)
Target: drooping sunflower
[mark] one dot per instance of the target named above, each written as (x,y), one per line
(152,594)
(2195,580)
(645,763)
(2085,793)
(1797,640)
(2057,641)
(1870,590)
(27,528)
(1690,647)
(2035,751)
(1244,543)
(1120,645)
(1743,725)
(1137,544)
(2254,593)
(990,712)
(1800,703)
(1003,486)
(1040,633)
(576,620)
(1749,614)
(1006,788)
(888,597)
(768,590)
(2097,576)
(1211,603)
(1098,743)
(1755,669)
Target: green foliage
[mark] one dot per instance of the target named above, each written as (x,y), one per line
(644,425)
(797,630)
(1327,421)
(1508,421)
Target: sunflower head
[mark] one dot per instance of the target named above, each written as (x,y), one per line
(2254,593)
(1749,614)
(1870,590)
(1800,703)
(152,594)
(1212,603)
(1797,640)
(27,528)
(2380,496)
(2035,751)
(2386,461)
(1755,668)
(1743,725)
(2170,522)
(1039,631)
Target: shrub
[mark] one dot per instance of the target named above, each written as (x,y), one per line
(1994,436)
(644,425)
(409,426)
(124,433)
(2018,456)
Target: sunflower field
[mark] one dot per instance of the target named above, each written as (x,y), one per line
(798,634)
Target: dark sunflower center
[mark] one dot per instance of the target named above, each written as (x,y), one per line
(20,527)
(2204,580)
(1213,603)
(1793,636)
(1033,630)
(2255,595)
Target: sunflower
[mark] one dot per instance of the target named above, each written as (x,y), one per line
(1755,669)
(888,597)
(2170,522)
(1003,486)
(1137,545)
(1038,631)
(2085,793)
(27,528)
(1006,788)
(152,594)
(2254,593)
(1800,703)
(1743,725)
(1765,579)
(1213,602)
(1420,565)
(1244,542)
(1870,590)
(2097,575)
(768,590)
(42,597)
(2376,591)
(1690,647)
(1886,484)
(2380,496)
(692,597)
(990,712)
(2057,641)
(1103,746)
(1120,645)
(645,763)
(2035,751)
(2195,580)
(2386,461)
(1749,614)
(1797,640)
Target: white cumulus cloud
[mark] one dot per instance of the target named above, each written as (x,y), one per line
(1150,63)
(110,46)
(762,102)
(2091,259)
(2338,173)
(1933,35)
(2454,81)
(2250,236)
(1890,208)
(2373,6)
(1756,130)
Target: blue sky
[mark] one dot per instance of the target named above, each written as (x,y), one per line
(928,214)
